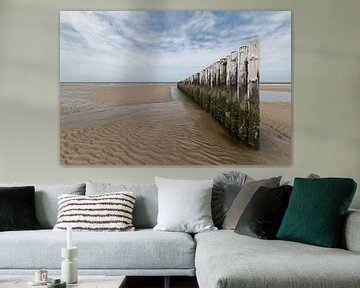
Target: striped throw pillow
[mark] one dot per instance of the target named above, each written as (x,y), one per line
(105,212)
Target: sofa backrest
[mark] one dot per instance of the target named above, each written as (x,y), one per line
(46,200)
(146,203)
(350,239)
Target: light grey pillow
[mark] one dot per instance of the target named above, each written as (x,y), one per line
(146,204)
(184,205)
(226,187)
(310,176)
(46,200)
(243,198)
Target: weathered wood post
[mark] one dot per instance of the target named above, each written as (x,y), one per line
(217,73)
(228,71)
(228,94)
(222,73)
(233,75)
(229,89)
(253,95)
(208,75)
(232,106)
(242,92)
(197,77)
(214,91)
(211,76)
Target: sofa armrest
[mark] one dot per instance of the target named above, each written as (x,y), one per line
(351,233)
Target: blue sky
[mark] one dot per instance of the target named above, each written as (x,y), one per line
(168,46)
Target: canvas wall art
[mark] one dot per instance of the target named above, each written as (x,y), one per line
(175,88)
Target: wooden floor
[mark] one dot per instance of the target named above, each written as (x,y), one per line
(158,282)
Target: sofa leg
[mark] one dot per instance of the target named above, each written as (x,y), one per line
(167,282)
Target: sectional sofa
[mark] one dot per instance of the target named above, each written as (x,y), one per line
(218,258)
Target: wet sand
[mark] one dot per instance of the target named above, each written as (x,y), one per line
(147,124)
(276,87)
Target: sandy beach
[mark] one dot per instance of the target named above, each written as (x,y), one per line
(276,87)
(156,124)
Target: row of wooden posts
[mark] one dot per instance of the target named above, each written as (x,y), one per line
(229,90)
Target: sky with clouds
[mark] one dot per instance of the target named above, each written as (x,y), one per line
(168,46)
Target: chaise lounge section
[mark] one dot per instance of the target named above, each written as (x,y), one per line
(225,259)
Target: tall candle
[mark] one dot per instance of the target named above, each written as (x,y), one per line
(69,237)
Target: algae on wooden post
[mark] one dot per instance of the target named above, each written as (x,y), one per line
(242,90)
(229,90)
(254,95)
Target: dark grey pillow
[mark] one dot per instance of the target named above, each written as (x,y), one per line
(46,200)
(263,214)
(243,198)
(226,187)
(17,209)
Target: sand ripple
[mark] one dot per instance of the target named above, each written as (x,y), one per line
(161,131)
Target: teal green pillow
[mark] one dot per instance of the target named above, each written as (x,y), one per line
(316,211)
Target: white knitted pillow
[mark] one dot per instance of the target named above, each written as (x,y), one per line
(105,212)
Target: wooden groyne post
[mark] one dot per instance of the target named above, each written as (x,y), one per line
(229,90)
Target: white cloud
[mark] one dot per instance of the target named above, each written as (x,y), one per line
(121,46)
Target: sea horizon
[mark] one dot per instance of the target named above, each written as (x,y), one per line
(160,82)
(269,96)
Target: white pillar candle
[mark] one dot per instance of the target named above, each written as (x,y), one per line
(69,237)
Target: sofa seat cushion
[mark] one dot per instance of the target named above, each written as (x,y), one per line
(142,249)
(226,259)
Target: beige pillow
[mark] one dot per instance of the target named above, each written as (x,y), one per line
(243,198)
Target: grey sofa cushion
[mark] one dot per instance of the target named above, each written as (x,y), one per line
(225,189)
(143,249)
(243,198)
(184,205)
(226,259)
(46,200)
(263,214)
(351,236)
(146,204)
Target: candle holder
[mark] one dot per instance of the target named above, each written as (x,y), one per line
(69,271)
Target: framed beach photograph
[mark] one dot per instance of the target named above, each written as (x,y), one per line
(175,88)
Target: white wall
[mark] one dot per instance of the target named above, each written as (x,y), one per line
(326,95)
